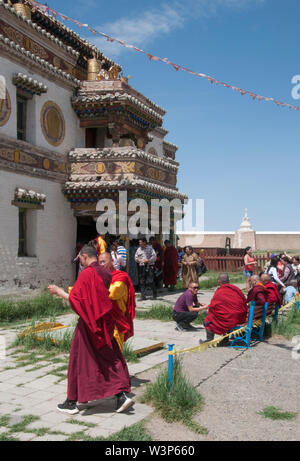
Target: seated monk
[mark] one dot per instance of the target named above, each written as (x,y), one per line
(273,293)
(258,292)
(122,295)
(227,309)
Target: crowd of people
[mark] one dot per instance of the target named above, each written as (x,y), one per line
(150,265)
(104,299)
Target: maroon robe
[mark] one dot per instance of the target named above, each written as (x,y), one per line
(259,294)
(170,266)
(97,368)
(273,294)
(227,309)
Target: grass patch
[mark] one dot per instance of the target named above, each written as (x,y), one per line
(129,354)
(30,342)
(164,314)
(8,438)
(277,414)
(21,427)
(44,305)
(178,404)
(210,280)
(157,311)
(287,326)
(4,420)
(134,433)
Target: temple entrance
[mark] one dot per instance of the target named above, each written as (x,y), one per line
(86,229)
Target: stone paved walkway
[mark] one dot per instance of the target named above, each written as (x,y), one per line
(28,390)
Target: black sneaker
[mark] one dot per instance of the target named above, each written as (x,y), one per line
(123,402)
(180,328)
(69,406)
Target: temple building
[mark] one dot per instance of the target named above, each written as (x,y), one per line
(72,132)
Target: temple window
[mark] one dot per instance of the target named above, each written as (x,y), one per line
(21,117)
(22,249)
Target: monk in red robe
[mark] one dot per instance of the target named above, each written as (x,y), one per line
(273,293)
(227,309)
(170,269)
(257,292)
(122,295)
(97,368)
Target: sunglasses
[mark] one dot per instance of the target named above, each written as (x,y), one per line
(195,288)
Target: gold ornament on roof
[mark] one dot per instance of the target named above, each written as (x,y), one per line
(23,8)
(113,72)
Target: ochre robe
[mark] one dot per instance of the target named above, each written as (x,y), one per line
(170,266)
(97,368)
(227,309)
(189,271)
(122,295)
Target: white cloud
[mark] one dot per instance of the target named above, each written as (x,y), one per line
(156,22)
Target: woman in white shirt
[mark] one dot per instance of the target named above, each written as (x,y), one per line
(272,271)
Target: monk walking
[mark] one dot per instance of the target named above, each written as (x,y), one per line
(122,295)
(97,368)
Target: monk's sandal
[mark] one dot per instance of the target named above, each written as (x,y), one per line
(69,406)
(123,402)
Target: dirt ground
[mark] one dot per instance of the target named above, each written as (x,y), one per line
(236,385)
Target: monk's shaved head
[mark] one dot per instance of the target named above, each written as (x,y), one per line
(223,278)
(89,251)
(106,261)
(265,278)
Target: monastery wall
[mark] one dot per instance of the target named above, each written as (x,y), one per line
(264,241)
(51,235)
(74,136)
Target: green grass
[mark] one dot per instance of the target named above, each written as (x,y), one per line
(134,433)
(277,414)
(30,342)
(210,280)
(44,305)
(157,311)
(129,354)
(178,404)
(288,326)
(163,313)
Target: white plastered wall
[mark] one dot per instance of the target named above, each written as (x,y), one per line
(52,239)
(74,135)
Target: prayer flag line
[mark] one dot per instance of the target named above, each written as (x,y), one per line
(177,67)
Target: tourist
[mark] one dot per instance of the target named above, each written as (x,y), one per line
(227,309)
(288,271)
(291,291)
(180,256)
(257,293)
(101,244)
(170,266)
(273,273)
(158,266)
(249,263)
(122,295)
(145,257)
(187,308)
(117,260)
(189,263)
(273,292)
(97,368)
(122,252)
(296,267)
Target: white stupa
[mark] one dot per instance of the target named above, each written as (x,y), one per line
(245,236)
(245,224)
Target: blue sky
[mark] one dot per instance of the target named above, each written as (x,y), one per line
(233,152)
